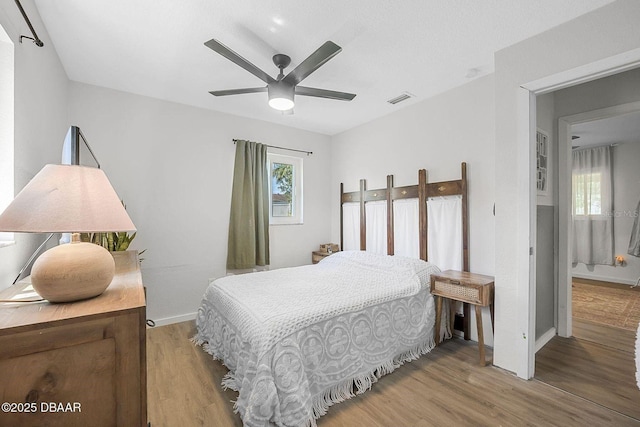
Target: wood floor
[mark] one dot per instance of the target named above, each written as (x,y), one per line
(618,338)
(443,388)
(596,372)
(598,362)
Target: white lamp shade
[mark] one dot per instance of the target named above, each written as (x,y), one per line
(67,199)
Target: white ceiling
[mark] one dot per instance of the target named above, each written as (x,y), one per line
(619,129)
(156,48)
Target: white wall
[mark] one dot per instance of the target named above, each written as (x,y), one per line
(622,88)
(547,218)
(436,134)
(173,166)
(40,117)
(607,31)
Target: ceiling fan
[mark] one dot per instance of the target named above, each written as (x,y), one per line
(282,89)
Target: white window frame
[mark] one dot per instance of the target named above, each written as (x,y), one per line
(297,217)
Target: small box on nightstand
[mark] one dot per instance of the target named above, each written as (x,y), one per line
(329,247)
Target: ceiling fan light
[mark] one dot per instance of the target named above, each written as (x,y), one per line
(281,104)
(281,96)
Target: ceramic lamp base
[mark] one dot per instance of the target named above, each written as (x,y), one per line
(71,272)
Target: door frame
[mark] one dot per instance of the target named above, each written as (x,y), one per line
(526,121)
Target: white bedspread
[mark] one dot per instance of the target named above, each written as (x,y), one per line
(638,357)
(297,340)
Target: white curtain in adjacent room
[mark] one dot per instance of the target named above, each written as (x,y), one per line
(406,228)
(592,206)
(376,214)
(444,236)
(634,241)
(351,226)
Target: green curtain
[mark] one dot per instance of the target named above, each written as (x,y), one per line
(249,222)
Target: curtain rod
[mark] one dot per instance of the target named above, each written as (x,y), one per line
(283,148)
(35,37)
(584,147)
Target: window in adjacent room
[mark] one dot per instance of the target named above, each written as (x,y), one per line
(6,128)
(587,194)
(285,189)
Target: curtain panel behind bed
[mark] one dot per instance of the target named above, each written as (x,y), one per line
(406,234)
(351,226)
(406,224)
(445,232)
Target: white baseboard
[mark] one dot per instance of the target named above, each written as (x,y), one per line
(175,319)
(545,338)
(605,278)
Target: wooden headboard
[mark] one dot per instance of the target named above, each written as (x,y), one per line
(422,191)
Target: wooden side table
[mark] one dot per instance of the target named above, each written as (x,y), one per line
(470,288)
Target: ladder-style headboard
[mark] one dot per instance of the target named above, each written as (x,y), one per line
(422,191)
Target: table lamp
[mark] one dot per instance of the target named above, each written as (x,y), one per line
(69,199)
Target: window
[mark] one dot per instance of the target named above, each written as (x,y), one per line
(587,194)
(285,189)
(6,128)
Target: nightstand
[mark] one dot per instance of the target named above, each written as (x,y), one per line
(470,288)
(317,256)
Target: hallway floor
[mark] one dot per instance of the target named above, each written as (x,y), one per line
(598,362)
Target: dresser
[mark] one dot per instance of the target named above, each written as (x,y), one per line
(76,364)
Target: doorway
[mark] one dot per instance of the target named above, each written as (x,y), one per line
(628,111)
(594,360)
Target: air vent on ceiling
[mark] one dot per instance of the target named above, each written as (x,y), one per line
(403,97)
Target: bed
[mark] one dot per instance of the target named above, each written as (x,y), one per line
(637,357)
(297,340)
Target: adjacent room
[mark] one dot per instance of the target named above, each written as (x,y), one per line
(601,117)
(319,213)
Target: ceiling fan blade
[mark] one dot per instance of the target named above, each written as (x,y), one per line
(323,93)
(237,91)
(324,53)
(216,46)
